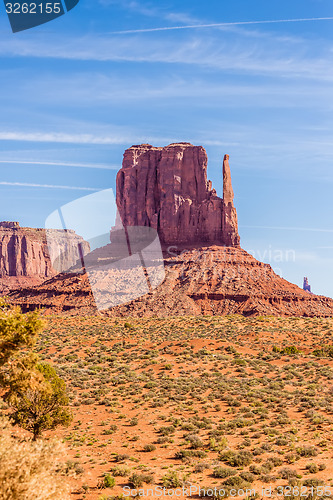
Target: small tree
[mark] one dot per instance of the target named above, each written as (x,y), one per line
(32,389)
(18,332)
(39,401)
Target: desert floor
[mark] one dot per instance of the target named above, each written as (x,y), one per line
(227,402)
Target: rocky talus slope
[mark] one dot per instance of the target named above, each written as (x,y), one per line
(202,281)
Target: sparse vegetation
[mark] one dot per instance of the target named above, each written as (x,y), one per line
(232,410)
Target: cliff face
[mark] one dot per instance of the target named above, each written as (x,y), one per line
(24,251)
(167,189)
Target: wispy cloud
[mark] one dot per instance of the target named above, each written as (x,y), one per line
(47,186)
(101,89)
(213,51)
(61,164)
(57,137)
(286,228)
(220,25)
(150,9)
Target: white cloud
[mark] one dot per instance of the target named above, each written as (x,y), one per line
(47,186)
(62,164)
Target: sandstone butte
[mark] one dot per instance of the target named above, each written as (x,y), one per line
(207,272)
(25,257)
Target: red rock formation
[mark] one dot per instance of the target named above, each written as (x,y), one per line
(24,252)
(167,189)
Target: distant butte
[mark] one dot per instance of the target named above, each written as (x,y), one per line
(25,257)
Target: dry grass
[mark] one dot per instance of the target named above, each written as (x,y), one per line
(28,470)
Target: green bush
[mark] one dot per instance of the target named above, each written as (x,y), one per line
(109,481)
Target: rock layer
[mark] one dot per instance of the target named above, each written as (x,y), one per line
(167,189)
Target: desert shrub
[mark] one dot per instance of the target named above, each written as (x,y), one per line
(257,470)
(134,421)
(247,476)
(307,451)
(189,454)
(29,469)
(223,472)
(291,349)
(200,467)
(120,470)
(236,482)
(108,481)
(275,461)
(73,467)
(287,473)
(128,326)
(110,430)
(163,440)
(236,459)
(113,497)
(326,351)
(149,447)
(313,482)
(312,468)
(267,478)
(291,458)
(121,457)
(167,430)
(138,480)
(172,480)
(281,441)
(194,441)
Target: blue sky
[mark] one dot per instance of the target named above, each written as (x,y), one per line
(78,91)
